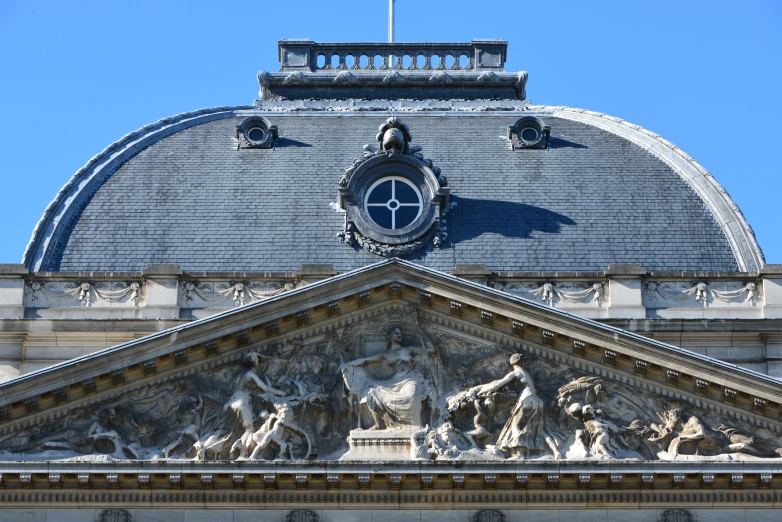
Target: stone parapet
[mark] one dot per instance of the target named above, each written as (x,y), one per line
(166,292)
(418,71)
(668,306)
(476,55)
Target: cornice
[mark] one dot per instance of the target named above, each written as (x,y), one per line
(346,485)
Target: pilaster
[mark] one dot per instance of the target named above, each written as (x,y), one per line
(624,289)
(475,272)
(162,288)
(313,272)
(772,291)
(12,291)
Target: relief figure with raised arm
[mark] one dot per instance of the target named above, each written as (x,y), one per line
(528,431)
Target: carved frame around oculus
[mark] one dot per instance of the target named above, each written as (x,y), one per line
(268,133)
(393,157)
(517,133)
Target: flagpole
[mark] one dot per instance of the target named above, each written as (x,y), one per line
(391,20)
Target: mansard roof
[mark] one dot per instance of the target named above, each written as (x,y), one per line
(184,190)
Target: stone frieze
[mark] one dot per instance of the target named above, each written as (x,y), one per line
(391,387)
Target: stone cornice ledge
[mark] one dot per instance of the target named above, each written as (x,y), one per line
(404,485)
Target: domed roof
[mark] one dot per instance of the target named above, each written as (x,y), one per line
(184,190)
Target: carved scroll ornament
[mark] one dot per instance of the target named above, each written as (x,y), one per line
(393,157)
(240,292)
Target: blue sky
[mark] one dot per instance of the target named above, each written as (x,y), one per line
(78,75)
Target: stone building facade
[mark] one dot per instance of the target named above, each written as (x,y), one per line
(391,288)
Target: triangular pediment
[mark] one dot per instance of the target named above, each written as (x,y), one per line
(169,391)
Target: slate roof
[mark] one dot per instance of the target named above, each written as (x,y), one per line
(592,199)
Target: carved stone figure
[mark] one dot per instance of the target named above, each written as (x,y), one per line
(443,442)
(576,446)
(601,432)
(583,390)
(528,430)
(661,432)
(448,398)
(390,385)
(277,429)
(691,432)
(201,432)
(484,408)
(741,441)
(191,407)
(393,135)
(688,439)
(247,383)
(103,436)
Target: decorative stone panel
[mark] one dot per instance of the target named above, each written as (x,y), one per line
(227,294)
(44,293)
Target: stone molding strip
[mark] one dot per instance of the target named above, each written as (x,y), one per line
(428,486)
(392,84)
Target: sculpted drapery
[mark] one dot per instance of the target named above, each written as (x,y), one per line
(391,385)
(527,429)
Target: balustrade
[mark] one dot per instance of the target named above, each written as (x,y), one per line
(473,56)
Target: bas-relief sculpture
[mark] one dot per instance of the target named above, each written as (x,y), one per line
(390,388)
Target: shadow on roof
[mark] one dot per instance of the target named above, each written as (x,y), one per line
(287,142)
(471,218)
(559,143)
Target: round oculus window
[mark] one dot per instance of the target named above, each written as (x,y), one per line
(393,202)
(256,134)
(529,134)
